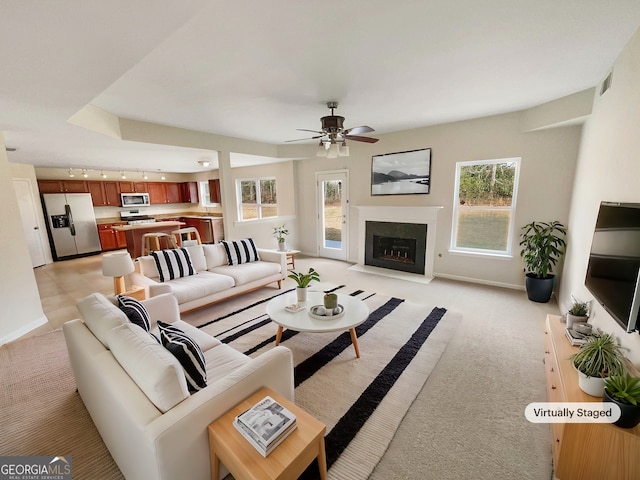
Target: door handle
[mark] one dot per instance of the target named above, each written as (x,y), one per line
(72,227)
(36,228)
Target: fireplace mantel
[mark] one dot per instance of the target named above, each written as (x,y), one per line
(420,215)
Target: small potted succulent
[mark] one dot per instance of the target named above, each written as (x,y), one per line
(280,233)
(601,357)
(577,313)
(624,390)
(303,280)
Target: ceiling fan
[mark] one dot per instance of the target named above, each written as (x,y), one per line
(333,136)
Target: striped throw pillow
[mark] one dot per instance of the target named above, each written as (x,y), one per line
(135,311)
(241,251)
(188,353)
(174,263)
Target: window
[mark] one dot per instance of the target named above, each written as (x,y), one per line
(205,199)
(256,198)
(484,206)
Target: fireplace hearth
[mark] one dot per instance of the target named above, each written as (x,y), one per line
(397,246)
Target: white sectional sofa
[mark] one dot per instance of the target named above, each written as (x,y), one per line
(215,280)
(136,393)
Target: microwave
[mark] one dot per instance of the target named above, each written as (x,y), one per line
(135,200)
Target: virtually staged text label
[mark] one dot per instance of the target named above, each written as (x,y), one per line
(572,412)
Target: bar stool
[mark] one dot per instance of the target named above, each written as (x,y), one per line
(154,241)
(187,236)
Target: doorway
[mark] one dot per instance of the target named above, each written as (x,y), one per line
(333,214)
(30,225)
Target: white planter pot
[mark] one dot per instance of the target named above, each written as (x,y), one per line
(571,319)
(301,292)
(593,386)
(282,246)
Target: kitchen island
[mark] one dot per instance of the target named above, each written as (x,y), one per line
(133,233)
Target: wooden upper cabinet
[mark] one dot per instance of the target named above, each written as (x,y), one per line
(215,195)
(127,187)
(140,187)
(189,192)
(112,193)
(104,194)
(63,186)
(157,192)
(96,189)
(173,192)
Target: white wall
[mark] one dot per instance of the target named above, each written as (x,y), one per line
(547,170)
(608,170)
(21,308)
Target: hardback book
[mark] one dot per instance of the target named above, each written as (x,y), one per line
(253,440)
(576,338)
(266,421)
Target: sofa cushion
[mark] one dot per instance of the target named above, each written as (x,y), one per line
(152,367)
(223,360)
(135,311)
(248,272)
(199,286)
(188,353)
(215,255)
(240,251)
(100,315)
(173,263)
(196,252)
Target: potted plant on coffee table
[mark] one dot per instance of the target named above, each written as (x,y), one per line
(303,280)
(577,313)
(542,246)
(280,233)
(624,390)
(601,357)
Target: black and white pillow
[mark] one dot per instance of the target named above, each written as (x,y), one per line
(241,251)
(188,353)
(174,263)
(135,311)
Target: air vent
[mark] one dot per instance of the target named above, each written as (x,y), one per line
(606,85)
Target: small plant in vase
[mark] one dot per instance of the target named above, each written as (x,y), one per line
(303,280)
(578,312)
(280,233)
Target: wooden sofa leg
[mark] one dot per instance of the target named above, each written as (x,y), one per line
(279,284)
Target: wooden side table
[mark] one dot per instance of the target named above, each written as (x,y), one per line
(136,292)
(287,461)
(291,258)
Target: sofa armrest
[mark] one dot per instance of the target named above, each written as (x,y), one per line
(154,288)
(274,256)
(162,307)
(181,433)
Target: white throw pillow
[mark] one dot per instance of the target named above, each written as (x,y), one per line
(100,315)
(196,252)
(152,367)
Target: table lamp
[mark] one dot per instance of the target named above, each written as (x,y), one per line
(117,265)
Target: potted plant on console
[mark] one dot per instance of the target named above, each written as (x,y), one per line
(303,280)
(542,246)
(577,313)
(624,390)
(280,233)
(598,359)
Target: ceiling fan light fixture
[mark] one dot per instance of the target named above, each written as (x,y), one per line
(333,151)
(343,151)
(321,151)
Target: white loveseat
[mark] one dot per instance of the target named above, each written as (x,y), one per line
(215,279)
(136,392)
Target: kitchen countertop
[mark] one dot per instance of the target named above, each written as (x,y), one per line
(141,226)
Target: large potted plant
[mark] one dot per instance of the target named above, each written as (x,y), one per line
(303,280)
(624,390)
(542,246)
(601,357)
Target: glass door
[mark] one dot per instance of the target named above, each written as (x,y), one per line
(333,217)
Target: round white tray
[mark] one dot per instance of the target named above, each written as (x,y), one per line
(316,310)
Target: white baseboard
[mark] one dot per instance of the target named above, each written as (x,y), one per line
(481,282)
(23,330)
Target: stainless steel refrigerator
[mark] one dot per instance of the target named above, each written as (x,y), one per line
(71,224)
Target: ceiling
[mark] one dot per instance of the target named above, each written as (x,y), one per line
(256,71)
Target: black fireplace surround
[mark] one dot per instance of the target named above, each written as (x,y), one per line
(397,246)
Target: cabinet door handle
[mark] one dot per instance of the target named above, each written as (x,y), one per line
(553,387)
(551,369)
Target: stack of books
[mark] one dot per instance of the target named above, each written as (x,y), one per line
(576,338)
(265,425)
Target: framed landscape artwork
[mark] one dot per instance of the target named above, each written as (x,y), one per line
(402,173)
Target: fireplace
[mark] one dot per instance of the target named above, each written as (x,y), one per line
(425,218)
(398,246)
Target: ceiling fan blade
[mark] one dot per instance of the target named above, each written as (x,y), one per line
(305,130)
(303,139)
(361,139)
(358,130)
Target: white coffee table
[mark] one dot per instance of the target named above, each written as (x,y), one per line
(355,313)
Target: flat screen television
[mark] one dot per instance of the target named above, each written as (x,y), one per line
(613,273)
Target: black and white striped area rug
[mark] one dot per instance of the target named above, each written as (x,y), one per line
(361,401)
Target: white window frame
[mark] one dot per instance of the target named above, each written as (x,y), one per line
(205,200)
(457,208)
(258,204)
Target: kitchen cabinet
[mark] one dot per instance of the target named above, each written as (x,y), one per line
(189,192)
(164,192)
(173,192)
(63,186)
(133,187)
(104,193)
(111,239)
(215,195)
